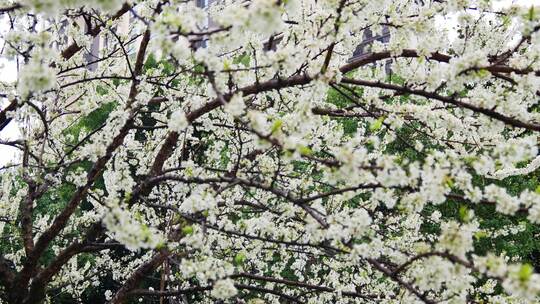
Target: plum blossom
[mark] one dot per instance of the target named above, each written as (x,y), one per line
(223,289)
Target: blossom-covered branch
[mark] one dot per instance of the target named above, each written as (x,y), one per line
(270,152)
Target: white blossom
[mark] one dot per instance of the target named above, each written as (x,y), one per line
(178,121)
(224,289)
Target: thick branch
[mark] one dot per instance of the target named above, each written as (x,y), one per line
(123,293)
(449,100)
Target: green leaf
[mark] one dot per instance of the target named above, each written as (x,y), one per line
(187,230)
(168,68)
(226,64)
(240,258)
(276,126)
(448,181)
(100,90)
(243,59)
(469,160)
(305,150)
(150,63)
(464,213)
(199,68)
(160,245)
(525,272)
(482,73)
(506,20)
(480,235)
(128,196)
(377,124)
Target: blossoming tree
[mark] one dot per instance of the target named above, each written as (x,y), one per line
(251,161)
